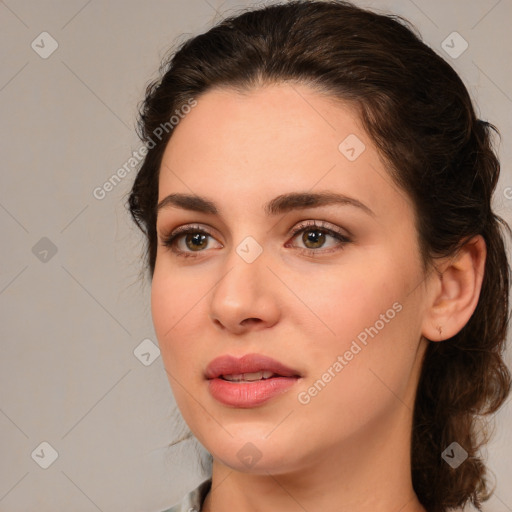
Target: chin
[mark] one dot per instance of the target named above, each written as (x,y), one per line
(256,454)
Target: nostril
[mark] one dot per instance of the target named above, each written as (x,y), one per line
(250,321)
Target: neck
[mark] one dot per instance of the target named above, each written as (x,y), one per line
(371,471)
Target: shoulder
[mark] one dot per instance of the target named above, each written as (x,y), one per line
(193,501)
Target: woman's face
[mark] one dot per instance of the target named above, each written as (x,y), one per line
(345,314)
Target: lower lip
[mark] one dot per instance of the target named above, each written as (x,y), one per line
(249,394)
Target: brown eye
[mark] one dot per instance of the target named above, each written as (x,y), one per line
(196,241)
(316,240)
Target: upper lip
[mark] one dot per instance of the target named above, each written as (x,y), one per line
(249,363)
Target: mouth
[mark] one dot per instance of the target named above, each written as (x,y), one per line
(249,381)
(250,377)
(249,368)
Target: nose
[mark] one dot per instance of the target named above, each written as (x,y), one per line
(245,297)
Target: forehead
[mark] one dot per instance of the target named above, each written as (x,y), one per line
(272,140)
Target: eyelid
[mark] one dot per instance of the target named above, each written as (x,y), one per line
(322,226)
(165,235)
(187,227)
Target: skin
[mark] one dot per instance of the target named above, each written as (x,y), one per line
(348,448)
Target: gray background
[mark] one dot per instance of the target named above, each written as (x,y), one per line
(72,319)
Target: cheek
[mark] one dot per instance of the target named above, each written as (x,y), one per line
(361,384)
(175,294)
(164,306)
(368,318)
(172,309)
(344,300)
(177,333)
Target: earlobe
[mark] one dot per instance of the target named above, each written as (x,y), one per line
(455,291)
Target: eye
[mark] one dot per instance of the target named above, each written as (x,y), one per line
(195,239)
(314,236)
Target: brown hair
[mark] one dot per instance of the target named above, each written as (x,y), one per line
(420,115)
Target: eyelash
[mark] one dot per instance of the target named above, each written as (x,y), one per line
(171,240)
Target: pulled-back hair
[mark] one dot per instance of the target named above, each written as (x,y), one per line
(419,114)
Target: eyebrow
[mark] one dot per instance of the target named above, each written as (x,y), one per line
(280,204)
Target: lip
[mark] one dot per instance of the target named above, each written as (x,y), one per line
(249,363)
(248,394)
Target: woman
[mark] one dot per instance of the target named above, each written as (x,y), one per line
(329,281)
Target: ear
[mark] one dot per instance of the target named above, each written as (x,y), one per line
(454,291)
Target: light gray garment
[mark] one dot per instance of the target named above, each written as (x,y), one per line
(193,501)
